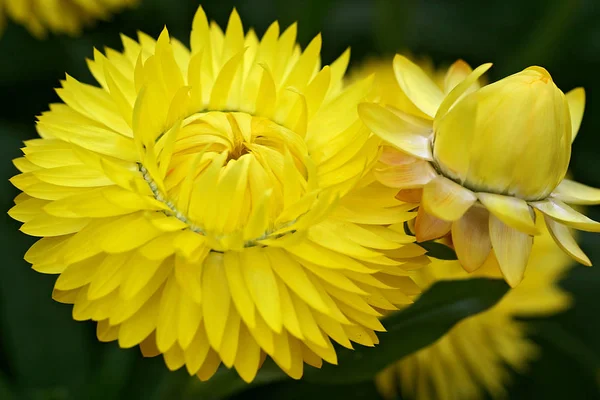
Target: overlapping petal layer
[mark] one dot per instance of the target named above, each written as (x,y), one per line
(216,205)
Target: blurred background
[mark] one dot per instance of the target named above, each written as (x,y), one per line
(51,357)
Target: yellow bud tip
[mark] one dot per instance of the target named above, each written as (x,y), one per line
(544,75)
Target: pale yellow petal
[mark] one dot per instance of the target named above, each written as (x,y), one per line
(565,241)
(417,86)
(512,211)
(576,193)
(576,100)
(559,211)
(428,227)
(446,199)
(457,73)
(471,238)
(512,249)
(406,176)
(394,130)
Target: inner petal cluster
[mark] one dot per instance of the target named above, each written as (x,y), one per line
(224,175)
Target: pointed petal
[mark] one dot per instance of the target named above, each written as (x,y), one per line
(396,131)
(471,238)
(576,193)
(511,210)
(460,90)
(576,100)
(512,249)
(406,176)
(559,211)
(215,298)
(446,199)
(456,74)
(417,86)
(410,195)
(262,286)
(565,241)
(428,227)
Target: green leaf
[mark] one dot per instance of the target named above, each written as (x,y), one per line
(432,315)
(439,250)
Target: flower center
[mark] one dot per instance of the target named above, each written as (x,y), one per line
(233,177)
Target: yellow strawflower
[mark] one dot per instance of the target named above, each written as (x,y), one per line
(216,205)
(58,16)
(481,159)
(474,357)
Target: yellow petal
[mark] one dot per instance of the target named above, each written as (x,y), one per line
(512,249)
(190,317)
(137,328)
(140,271)
(456,74)
(109,275)
(294,276)
(461,89)
(47,225)
(238,288)
(78,274)
(209,367)
(127,233)
(319,255)
(309,326)
(28,209)
(559,211)
(399,133)
(417,86)
(247,359)
(428,227)
(576,193)
(262,286)
(446,199)
(406,176)
(565,241)
(230,344)
(197,351)
(576,100)
(511,210)
(174,358)
(168,313)
(215,298)
(471,238)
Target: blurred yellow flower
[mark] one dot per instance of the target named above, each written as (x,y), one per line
(474,357)
(479,160)
(58,16)
(216,205)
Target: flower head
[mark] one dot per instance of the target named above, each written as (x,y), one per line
(527,108)
(474,357)
(59,16)
(216,205)
(481,159)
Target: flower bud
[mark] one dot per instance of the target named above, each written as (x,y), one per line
(511,137)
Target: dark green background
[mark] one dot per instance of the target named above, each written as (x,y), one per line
(48,356)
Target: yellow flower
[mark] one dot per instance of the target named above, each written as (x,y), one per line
(59,16)
(473,357)
(481,159)
(216,205)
